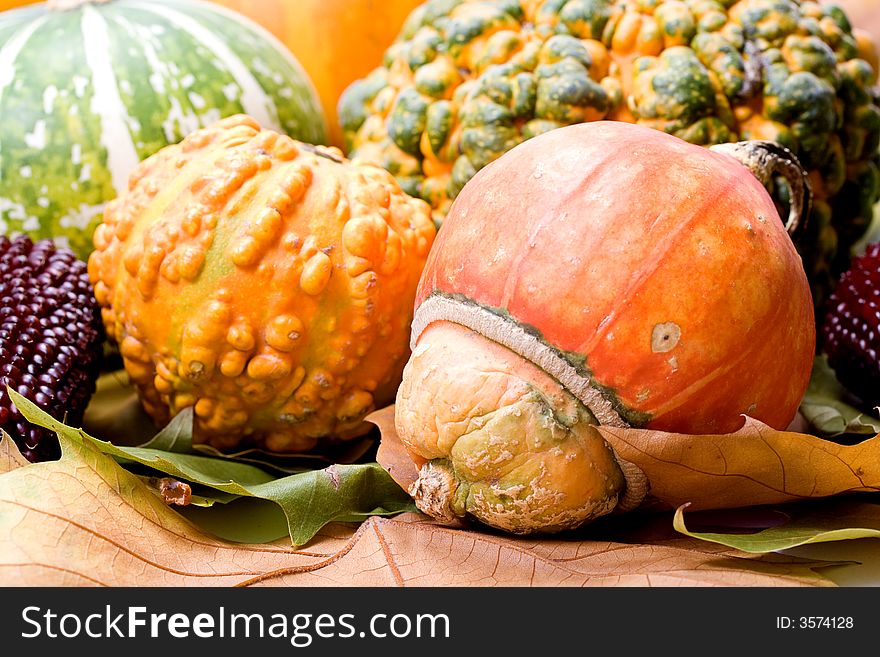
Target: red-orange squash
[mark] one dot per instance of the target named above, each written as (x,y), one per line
(599,273)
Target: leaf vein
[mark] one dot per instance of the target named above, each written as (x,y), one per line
(96,535)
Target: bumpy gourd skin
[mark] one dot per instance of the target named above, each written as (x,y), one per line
(266,283)
(502,441)
(469,79)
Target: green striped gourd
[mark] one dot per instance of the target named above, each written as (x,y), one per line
(89,89)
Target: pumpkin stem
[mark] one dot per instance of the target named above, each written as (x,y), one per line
(768,159)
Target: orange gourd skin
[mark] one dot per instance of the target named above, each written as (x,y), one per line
(336,41)
(262,282)
(605,237)
(13,4)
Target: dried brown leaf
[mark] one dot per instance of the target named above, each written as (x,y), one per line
(402,465)
(410,551)
(86,521)
(753,466)
(10,456)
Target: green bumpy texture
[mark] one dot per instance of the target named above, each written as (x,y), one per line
(467,80)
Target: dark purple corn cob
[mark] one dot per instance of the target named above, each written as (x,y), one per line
(51,339)
(850,330)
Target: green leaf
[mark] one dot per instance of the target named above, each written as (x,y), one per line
(114,412)
(309,500)
(243,520)
(115,415)
(826,408)
(786,526)
(292,463)
(176,436)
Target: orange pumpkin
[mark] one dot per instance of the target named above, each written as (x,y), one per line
(599,273)
(336,41)
(12,4)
